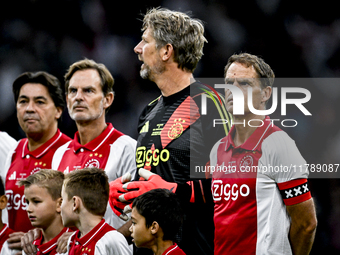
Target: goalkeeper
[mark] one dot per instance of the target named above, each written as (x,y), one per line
(174,136)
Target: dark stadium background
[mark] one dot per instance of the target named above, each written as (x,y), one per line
(299,39)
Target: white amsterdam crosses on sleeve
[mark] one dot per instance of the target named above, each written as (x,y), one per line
(295,191)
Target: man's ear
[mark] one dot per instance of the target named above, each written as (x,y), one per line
(154,228)
(59,113)
(266,93)
(166,52)
(108,99)
(3,202)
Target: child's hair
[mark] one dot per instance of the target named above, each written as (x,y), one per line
(162,206)
(50,179)
(2,188)
(92,186)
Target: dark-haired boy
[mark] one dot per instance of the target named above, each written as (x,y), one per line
(85,196)
(156,219)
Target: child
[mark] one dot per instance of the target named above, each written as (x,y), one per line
(43,197)
(5,230)
(156,218)
(85,196)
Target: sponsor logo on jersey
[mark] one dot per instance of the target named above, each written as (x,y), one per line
(145,128)
(227,191)
(150,157)
(13,176)
(15,201)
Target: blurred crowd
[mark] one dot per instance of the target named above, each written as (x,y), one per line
(299,39)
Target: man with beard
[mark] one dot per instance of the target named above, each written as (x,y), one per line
(173,135)
(89,95)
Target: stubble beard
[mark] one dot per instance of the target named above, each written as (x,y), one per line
(149,73)
(87,117)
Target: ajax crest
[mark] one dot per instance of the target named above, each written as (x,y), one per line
(176,129)
(92,163)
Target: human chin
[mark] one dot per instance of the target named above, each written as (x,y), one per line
(78,116)
(145,71)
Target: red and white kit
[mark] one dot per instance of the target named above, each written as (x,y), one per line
(111,151)
(4,234)
(49,247)
(173,250)
(20,164)
(101,240)
(251,186)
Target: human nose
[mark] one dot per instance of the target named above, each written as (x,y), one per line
(130,229)
(30,107)
(79,95)
(138,48)
(29,208)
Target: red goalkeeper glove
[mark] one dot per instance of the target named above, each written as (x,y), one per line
(116,190)
(137,188)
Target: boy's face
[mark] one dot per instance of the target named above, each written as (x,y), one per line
(42,210)
(141,234)
(67,209)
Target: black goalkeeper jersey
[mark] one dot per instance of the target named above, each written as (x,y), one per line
(174,141)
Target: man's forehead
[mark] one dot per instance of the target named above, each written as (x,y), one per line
(240,79)
(38,89)
(147,33)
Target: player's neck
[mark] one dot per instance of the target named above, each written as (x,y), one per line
(87,222)
(38,139)
(173,81)
(162,246)
(90,130)
(245,127)
(52,230)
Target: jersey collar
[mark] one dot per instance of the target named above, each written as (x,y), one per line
(49,246)
(95,143)
(37,153)
(254,141)
(83,241)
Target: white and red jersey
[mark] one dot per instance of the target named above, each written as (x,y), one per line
(7,143)
(173,250)
(111,151)
(252,184)
(49,247)
(101,240)
(4,234)
(20,164)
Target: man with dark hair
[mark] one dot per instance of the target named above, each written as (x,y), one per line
(39,103)
(262,205)
(174,136)
(156,219)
